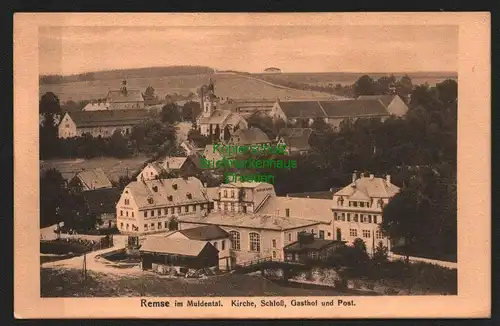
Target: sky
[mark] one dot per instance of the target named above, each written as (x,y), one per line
(409,48)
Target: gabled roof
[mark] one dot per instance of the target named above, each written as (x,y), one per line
(108,117)
(250,136)
(96,106)
(354,108)
(100,201)
(169,192)
(94,179)
(333,109)
(301,208)
(167,245)
(371,187)
(172,162)
(316,244)
(296,138)
(251,221)
(132,95)
(385,99)
(205,233)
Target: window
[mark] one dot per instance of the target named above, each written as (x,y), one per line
(166,225)
(193,208)
(172,210)
(126,213)
(289,237)
(145,227)
(274,254)
(287,212)
(274,243)
(348,217)
(215,244)
(178,209)
(321,234)
(356,216)
(152,213)
(329,234)
(353,232)
(159,212)
(121,225)
(225,193)
(202,206)
(127,201)
(232,207)
(369,218)
(366,233)
(335,216)
(361,204)
(152,226)
(186,208)
(159,225)
(355,203)
(232,193)
(225,207)
(121,213)
(254,242)
(223,245)
(145,213)
(166,211)
(132,214)
(365,218)
(343,217)
(235,240)
(379,234)
(375,219)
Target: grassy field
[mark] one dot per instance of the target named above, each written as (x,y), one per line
(113,167)
(69,283)
(226,85)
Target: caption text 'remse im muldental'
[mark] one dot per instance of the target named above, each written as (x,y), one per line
(145,303)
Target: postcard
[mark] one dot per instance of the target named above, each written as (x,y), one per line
(252,165)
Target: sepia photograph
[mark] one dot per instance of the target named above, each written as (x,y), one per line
(219,164)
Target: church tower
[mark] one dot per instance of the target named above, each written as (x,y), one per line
(209,100)
(123,89)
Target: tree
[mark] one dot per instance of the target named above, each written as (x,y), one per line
(49,104)
(75,214)
(217,134)
(404,216)
(197,138)
(190,110)
(384,85)
(118,145)
(381,252)
(153,136)
(359,244)
(227,134)
(49,108)
(52,194)
(447,91)
(149,95)
(320,126)
(170,113)
(364,86)
(264,123)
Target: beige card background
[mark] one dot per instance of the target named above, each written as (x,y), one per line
(474,247)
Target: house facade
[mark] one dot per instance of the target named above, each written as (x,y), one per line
(357,210)
(242,197)
(154,206)
(254,236)
(101,123)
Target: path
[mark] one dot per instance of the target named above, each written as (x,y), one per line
(94,263)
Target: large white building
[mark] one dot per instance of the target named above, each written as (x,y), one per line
(357,210)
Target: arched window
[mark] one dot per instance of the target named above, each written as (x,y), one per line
(254,242)
(235,240)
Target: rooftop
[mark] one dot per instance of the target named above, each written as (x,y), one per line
(299,208)
(205,233)
(108,117)
(368,187)
(316,244)
(333,109)
(251,136)
(94,179)
(166,245)
(131,95)
(251,221)
(100,201)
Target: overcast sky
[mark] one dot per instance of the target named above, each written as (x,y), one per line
(70,50)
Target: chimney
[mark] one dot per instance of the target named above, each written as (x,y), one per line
(388,178)
(354,177)
(371,176)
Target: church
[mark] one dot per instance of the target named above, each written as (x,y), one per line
(213,120)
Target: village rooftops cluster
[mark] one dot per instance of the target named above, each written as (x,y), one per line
(167,192)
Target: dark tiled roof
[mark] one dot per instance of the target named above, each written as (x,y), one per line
(301,109)
(354,108)
(166,245)
(317,244)
(132,95)
(209,232)
(315,194)
(108,117)
(250,137)
(100,201)
(296,138)
(385,99)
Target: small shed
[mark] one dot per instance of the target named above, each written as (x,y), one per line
(181,254)
(308,248)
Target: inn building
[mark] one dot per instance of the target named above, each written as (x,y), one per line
(154,206)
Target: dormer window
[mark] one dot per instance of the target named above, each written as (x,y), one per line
(174,186)
(170,198)
(150,200)
(188,195)
(155,188)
